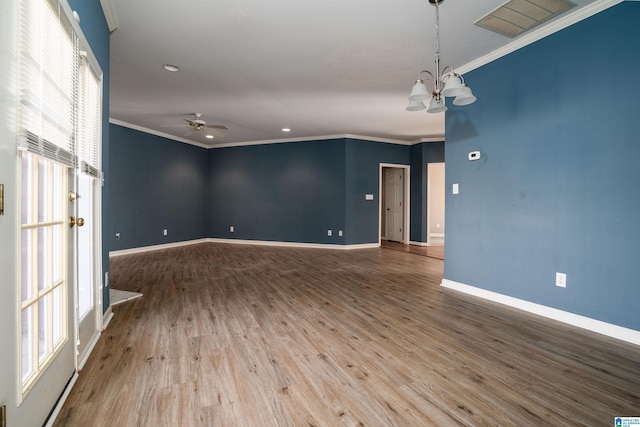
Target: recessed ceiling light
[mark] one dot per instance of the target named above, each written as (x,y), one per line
(171,68)
(209,136)
(286,130)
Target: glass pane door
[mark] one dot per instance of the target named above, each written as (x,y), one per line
(88,277)
(46,353)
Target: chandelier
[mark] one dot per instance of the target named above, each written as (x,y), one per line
(445,83)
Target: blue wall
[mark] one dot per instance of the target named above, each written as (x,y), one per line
(421,155)
(95,29)
(285,192)
(156,183)
(362,177)
(295,192)
(288,192)
(556,189)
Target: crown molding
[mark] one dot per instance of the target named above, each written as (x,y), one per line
(313,138)
(542,32)
(156,133)
(109,14)
(268,141)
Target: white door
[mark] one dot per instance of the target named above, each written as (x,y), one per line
(394,204)
(47,348)
(88,266)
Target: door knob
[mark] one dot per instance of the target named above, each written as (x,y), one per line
(79,222)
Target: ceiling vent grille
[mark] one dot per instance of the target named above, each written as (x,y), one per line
(518,16)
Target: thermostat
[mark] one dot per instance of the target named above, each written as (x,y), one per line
(474,155)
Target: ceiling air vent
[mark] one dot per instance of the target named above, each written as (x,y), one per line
(518,16)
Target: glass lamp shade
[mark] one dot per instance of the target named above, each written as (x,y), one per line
(419,92)
(453,86)
(465,98)
(416,106)
(436,105)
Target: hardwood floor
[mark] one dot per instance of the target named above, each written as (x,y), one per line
(430,251)
(234,335)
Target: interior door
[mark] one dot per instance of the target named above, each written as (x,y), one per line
(394,200)
(47,349)
(87,283)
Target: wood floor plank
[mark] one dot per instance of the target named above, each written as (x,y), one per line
(236,335)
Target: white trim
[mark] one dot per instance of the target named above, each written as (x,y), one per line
(294,244)
(106,318)
(419,243)
(63,398)
(407,200)
(89,350)
(313,138)
(429,139)
(156,133)
(109,14)
(441,235)
(266,141)
(155,247)
(625,334)
(243,242)
(542,32)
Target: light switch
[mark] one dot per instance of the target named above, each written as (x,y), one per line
(456,189)
(368,197)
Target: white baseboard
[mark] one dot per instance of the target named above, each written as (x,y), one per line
(294,244)
(625,334)
(418,243)
(106,318)
(155,247)
(243,242)
(437,235)
(63,398)
(87,353)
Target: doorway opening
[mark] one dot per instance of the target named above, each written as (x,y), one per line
(436,204)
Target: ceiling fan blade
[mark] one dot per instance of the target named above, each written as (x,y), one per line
(221,127)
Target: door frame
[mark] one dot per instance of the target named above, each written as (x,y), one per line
(407,201)
(95,222)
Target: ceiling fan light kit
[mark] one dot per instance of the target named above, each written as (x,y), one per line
(445,83)
(171,68)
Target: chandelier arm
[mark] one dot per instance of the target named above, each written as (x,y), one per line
(431,77)
(445,75)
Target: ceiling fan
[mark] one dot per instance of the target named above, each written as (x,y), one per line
(198,124)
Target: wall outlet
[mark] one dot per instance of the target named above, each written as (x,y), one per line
(340,233)
(117,236)
(329,233)
(164,231)
(232,228)
(456,189)
(561,280)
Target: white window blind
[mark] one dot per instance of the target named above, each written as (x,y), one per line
(90,113)
(49,80)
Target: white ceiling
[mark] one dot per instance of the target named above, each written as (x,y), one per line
(330,67)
